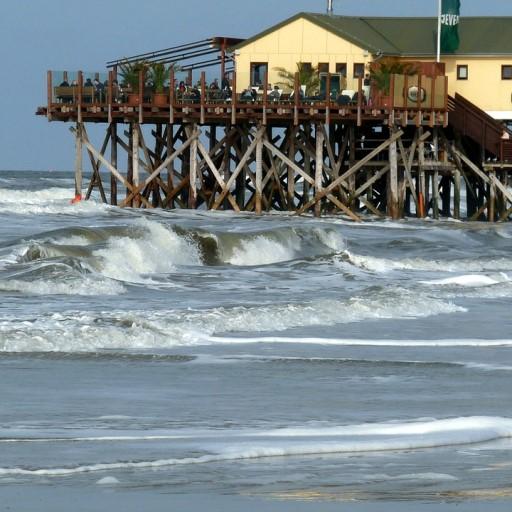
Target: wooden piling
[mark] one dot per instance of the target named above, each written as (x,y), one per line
(113,161)
(78,161)
(422,193)
(135,162)
(259,172)
(319,168)
(393,203)
(192,199)
(456,194)
(491,215)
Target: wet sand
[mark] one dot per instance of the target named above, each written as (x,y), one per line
(63,499)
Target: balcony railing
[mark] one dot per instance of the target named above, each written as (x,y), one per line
(69,92)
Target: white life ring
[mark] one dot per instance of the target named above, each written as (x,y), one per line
(412,94)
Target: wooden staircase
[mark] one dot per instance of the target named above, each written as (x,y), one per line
(468,120)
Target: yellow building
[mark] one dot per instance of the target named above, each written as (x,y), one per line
(480,70)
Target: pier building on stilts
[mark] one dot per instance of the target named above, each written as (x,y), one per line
(319,114)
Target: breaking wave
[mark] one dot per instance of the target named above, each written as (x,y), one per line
(228,445)
(79,331)
(381,265)
(97,260)
(55,200)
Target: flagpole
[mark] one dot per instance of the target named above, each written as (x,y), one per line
(439,32)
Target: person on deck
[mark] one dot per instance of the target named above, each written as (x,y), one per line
(99,90)
(275,94)
(225,85)
(367,85)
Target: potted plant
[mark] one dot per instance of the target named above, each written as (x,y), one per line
(158,75)
(130,74)
(381,71)
(309,78)
(380,74)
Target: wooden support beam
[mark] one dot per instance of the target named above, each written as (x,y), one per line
(95,164)
(343,208)
(216,173)
(470,164)
(506,193)
(456,194)
(319,163)
(238,168)
(135,161)
(492,197)
(286,160)
(259,160)
(170,165)
(421,210)
(351,171)
(192,198)
(292,134)
(393,200)
(113,161)
(78,161)
(112,169)
(233,99)
(435,194)
(159,169)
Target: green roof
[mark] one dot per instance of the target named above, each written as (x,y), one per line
(402,36)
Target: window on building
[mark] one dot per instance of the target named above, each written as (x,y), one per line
(462,72)
(358,69)
(258,70)
(323,67)
(341,68)
(506,72)
(307,67)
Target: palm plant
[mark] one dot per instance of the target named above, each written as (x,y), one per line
(308,76)
(159,73)
(130,71)
(382,69)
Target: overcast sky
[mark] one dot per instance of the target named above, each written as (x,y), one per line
(37,35)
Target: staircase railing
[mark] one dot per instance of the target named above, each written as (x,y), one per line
(471,121)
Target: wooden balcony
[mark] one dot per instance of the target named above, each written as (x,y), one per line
(417,100)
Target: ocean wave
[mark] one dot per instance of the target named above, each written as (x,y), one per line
(318,440)
(78,286)
(80,331)
(54,200)
(383,265)
(268,247)
(147,249)
(470,280)
(488,367)
(153,249)
(44,269)
(466,342)
(262,251)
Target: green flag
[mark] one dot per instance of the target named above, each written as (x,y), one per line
(450,12)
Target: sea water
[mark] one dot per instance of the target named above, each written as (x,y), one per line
(192,353)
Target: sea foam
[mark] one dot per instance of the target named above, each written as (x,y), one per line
(300,441)
(82,331)
(55,200)
(469,280)
(382,265)
(152,249)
